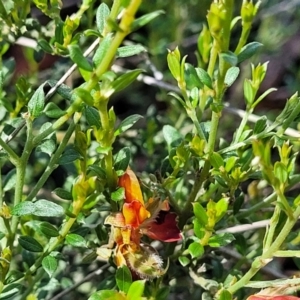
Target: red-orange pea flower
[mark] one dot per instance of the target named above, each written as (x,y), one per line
(152,219)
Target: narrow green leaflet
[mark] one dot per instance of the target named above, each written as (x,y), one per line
(221,239)
(102,13)
(63,194)
(23,208)
(102,49)
(130,50)
(47,146)
(49,264)
(200,213)
(78,58)
(172,136)
(118,195)
(10,290)
(231,76)
(45,208)
(30,244)
(69,156)
(37,102)
(75,240)
(123,279)
(42,208)
(108,295)
(136,290)
(48,229)
(248,51)
(53,111)
(127,123)
(122,159)
(196,249)
(92,116)
(125,79)
(145,19)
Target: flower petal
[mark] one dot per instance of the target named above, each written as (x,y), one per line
(132,187)
(164,228)
(135,213)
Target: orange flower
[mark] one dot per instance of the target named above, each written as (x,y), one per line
(135,220)
(153,219)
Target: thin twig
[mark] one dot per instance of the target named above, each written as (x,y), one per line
(267,270)
(245,227)
(30,43)
(77,284)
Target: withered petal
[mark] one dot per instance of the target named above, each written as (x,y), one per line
(166,231)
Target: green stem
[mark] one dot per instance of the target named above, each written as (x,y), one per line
(244,37)
(13,157)
(271,230)
(242,126)
(52,164)
(20,177)
(261,261)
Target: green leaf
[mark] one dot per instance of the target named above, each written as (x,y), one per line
(53,111)
(108,295)
(11,290)
(69,156)
(231,76)
(221,239)
(102,13)
(92,116)
(145,19)
(122,159)
(45,46)
(225,295)
(136,290)
(37,102)
(100,172)
(30,244)
(260,125)
(49,264)
(62,193)
(84,95)
(76,240)
(9,181)
(123,279)
(200,213)
(204,77)
(47,146)
(216,160)
(196,249)
(63,90)
(172,136)
(280,171)
(229,57)
(191,77)
(23,208)
(118,195)
(125,80)
(199,228)
(48,229)
(173,60)
(127,123)
(248,51)
(221,208)
(78,58)
(45,208)
(184,261)
(163,293)
(102,49)
(130,50)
